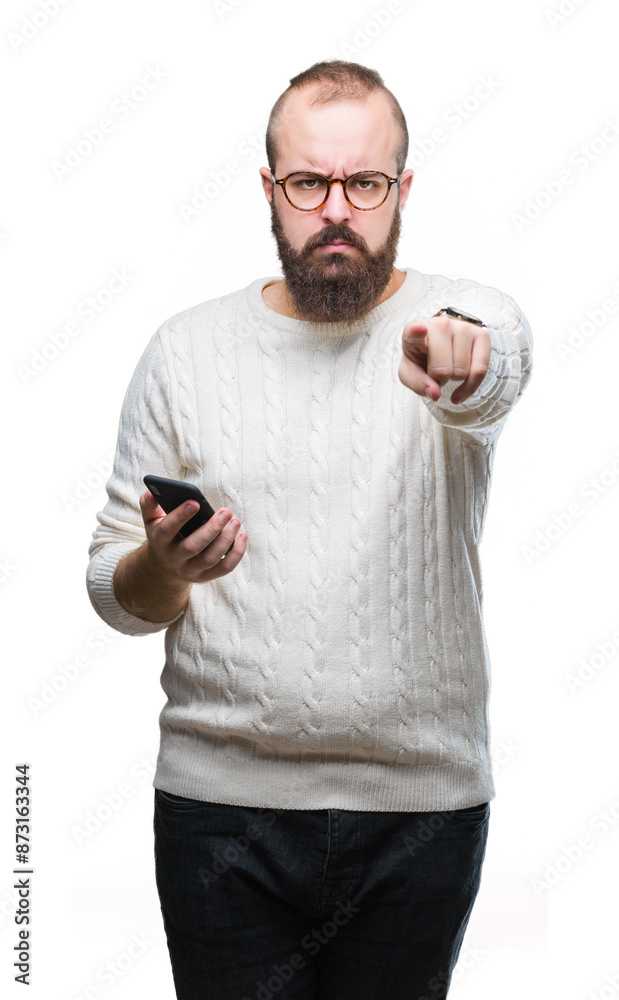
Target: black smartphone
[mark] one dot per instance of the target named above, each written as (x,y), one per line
(171,493)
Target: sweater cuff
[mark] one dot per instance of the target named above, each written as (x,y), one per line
(100,586)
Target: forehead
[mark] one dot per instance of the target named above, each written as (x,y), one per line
(343,135)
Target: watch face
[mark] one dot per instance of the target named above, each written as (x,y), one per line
(461,314)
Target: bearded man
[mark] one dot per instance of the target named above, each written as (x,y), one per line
(323,785)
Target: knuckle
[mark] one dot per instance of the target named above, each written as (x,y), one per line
(192,545)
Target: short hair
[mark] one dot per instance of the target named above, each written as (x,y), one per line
(337,80)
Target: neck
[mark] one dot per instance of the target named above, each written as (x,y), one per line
(278,298)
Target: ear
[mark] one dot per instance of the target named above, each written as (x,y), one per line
(267,183)
(405,186)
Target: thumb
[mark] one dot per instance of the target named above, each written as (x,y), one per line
(150,508)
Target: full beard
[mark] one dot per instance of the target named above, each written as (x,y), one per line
(335,287)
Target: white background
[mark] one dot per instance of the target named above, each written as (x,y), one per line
(545,921)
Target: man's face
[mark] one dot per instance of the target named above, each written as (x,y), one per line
(337,261)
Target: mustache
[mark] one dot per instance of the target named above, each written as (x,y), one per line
(332,233)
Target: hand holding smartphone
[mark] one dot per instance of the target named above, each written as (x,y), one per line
(172,493)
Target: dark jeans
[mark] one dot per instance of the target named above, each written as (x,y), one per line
(324,904)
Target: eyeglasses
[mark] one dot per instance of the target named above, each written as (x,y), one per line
(365,190)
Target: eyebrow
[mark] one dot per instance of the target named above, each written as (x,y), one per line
(322,173)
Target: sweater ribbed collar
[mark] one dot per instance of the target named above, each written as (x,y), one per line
(406,291)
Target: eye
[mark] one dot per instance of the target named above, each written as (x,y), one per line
(364,183)
(305,182)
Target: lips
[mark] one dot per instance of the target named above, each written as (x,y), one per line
(338,246)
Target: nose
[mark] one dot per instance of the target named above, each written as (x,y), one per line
(336,209)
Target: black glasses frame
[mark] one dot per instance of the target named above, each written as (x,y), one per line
(336,180)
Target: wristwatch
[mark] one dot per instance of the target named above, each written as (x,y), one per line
(460,314)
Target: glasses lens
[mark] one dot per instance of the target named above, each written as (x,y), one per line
(306,190)
(367,189)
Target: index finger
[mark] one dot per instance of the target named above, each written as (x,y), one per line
(432,341)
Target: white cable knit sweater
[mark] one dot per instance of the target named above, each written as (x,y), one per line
(343,663)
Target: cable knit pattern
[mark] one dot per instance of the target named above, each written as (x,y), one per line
(188,683)
(343,663)
(223,361)
(361,681)
(458,556)
(408,748)
(310,719)
(276,507)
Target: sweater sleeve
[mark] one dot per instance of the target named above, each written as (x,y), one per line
(483,415)
(147,443)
